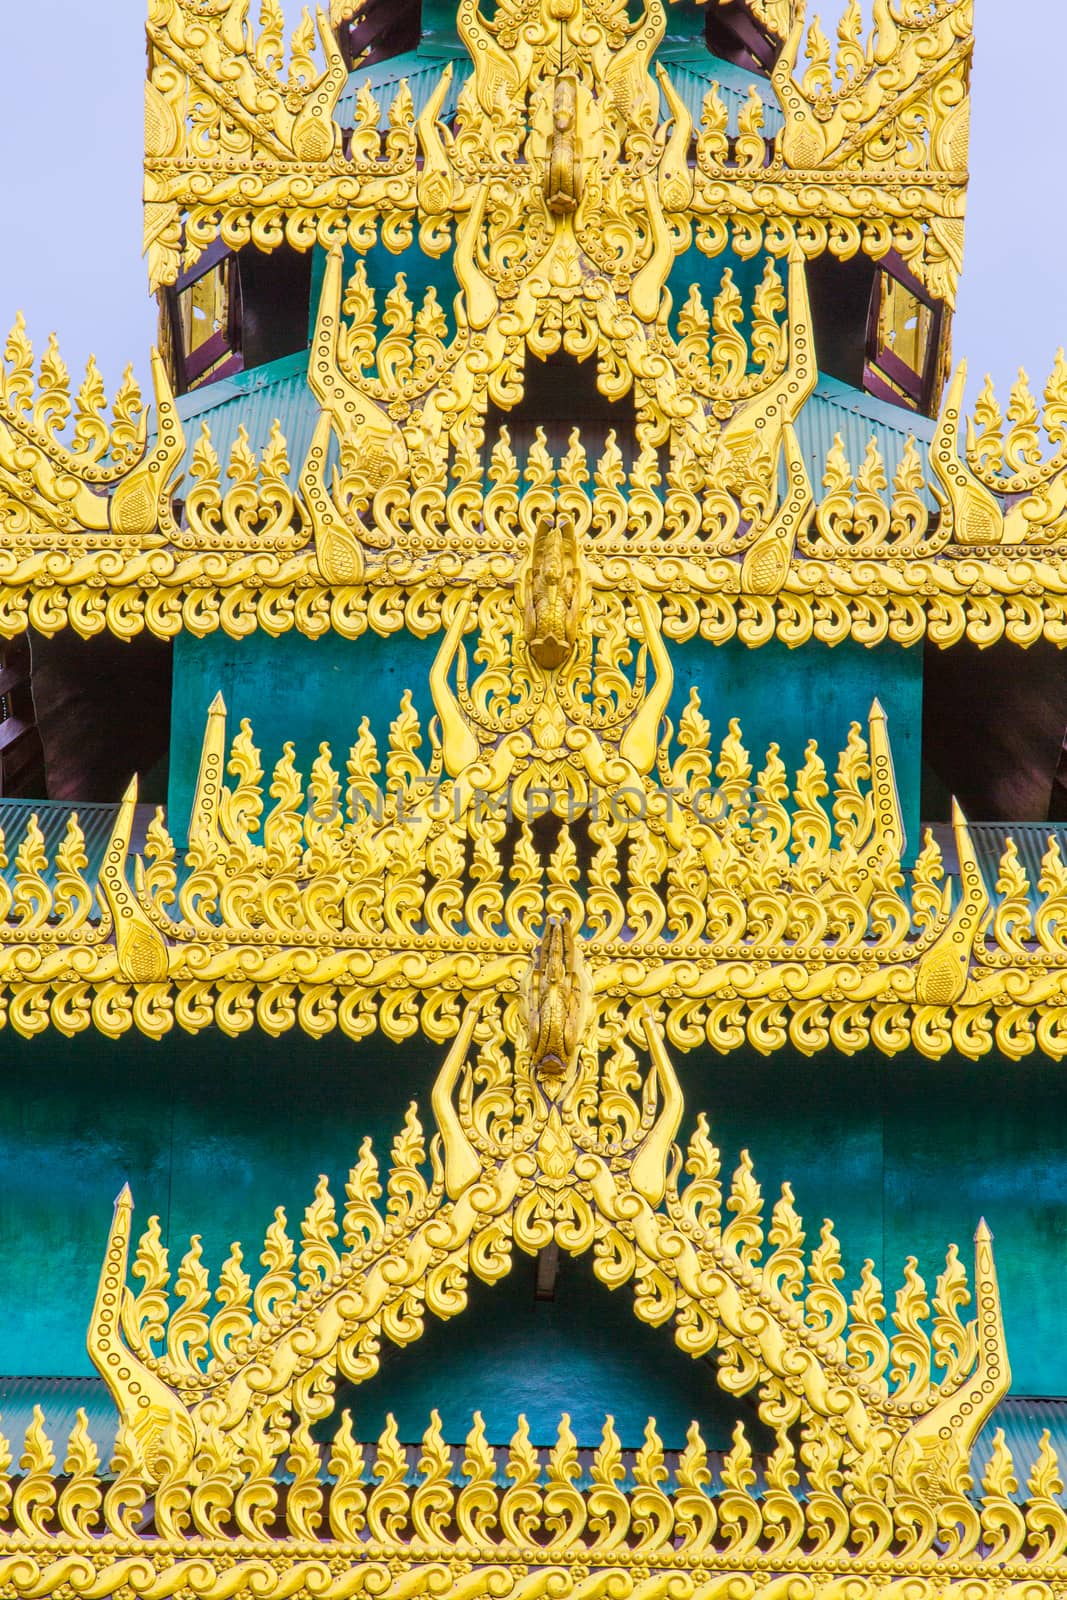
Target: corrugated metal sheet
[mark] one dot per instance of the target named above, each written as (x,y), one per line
(279,390)
(60,1399)
(96,822)
(1031,841)
(254,400)
(693,72)
(422,69)
(836,408)
(1024,1419)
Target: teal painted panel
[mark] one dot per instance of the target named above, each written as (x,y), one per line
(290,688)
(991,1144)
(906,1156)
(787,697)
(213,1133)
(78,1118)
(583,1353)
(310,690)
(694,268)
(254,1128)
(439,21)
(382,267)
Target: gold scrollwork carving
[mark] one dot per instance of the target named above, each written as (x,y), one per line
(694,878)
(532,1155)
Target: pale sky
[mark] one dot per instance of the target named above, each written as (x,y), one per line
(70,151)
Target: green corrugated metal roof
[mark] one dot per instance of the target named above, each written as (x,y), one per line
(97,822)
(60,1399)
(1024,1419)
(693,71)
(422,68)
(1031,841)
(837,408)
(254,400)
(280,391)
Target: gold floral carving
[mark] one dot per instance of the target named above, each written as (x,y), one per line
(554,883)
(734,901)
(518,1523)
(583,1157)
(872,155)
(97,530)
(216,1405)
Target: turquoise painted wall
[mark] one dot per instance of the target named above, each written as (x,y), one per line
(212,1133)
(309,690)
(790,696)
(291,688)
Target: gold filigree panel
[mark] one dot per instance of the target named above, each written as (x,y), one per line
(559,139)
(729,896)
(874,1425)
(579,1153)
(97,531)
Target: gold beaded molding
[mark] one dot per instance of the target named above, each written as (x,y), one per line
(550,1128)
(564,202)
(388,521)
(731,900)
(872,155)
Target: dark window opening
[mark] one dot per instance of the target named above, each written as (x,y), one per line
(383,29)
(21,756)
(103,714)
(559,395)
(840,297)
(594,1358)
(201,317)
(993,730)
(235,310)
(734,34)
(904,328)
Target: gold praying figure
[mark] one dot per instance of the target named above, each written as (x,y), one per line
(556,1002)
(552,592)
(563,175)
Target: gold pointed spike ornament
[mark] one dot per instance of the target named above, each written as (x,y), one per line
(567,1157)
(555,795)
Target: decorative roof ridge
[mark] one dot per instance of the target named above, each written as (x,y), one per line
(912,74)
(737,904)
(512,1532)
(550,1131)
(102,537)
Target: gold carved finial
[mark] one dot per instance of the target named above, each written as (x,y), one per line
(135,505)
(935,1452)
(648,1170)
(945,969)
(462,1165)
(140,948)
(973,512)
(145,1403)
(204,813)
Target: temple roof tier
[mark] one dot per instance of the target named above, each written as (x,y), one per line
(869,154)
(104,527)
(716,889)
